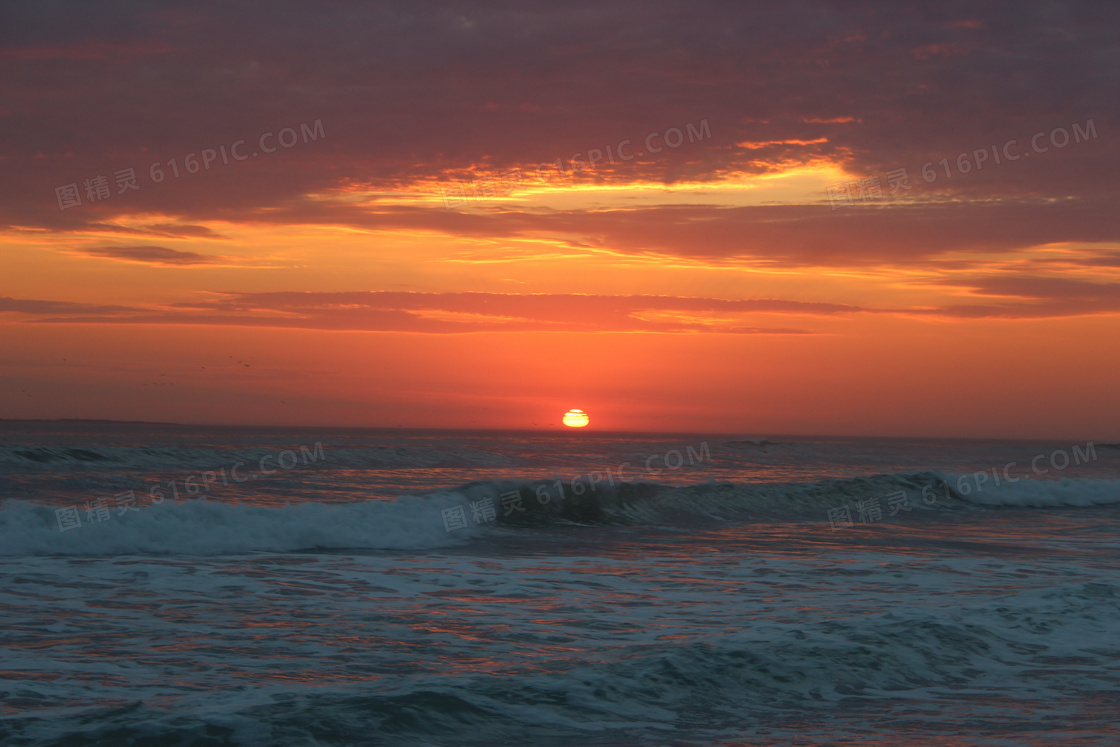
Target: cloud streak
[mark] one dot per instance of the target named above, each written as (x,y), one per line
(449,313)
(152,255)
(454,313)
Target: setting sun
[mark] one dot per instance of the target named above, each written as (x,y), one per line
(575,418)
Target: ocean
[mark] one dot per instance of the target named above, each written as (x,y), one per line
(186,585)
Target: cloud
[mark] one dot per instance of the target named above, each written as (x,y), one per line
(86,51)
(153,255)
(37,307)
(451,312)
(874,85)
(898,233)
(1027,297)
(454,313)
(1044,288)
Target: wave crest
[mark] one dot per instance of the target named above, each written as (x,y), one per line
(201,527)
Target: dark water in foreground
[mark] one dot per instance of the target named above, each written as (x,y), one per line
(458,589)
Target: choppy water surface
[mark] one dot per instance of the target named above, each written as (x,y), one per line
(727,601)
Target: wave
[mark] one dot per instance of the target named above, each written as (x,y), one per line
(658,691)
(444,519)
(925,491)
(201,527)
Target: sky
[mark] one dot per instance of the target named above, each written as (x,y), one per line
(864,219)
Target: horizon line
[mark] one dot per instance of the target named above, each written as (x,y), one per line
(744,435)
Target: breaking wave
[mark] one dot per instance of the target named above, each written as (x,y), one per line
(201,527)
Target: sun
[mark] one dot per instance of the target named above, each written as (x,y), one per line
(576,418)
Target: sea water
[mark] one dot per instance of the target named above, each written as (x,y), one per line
(186,585)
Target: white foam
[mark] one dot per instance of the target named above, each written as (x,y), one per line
(1027,493)
(211,528)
